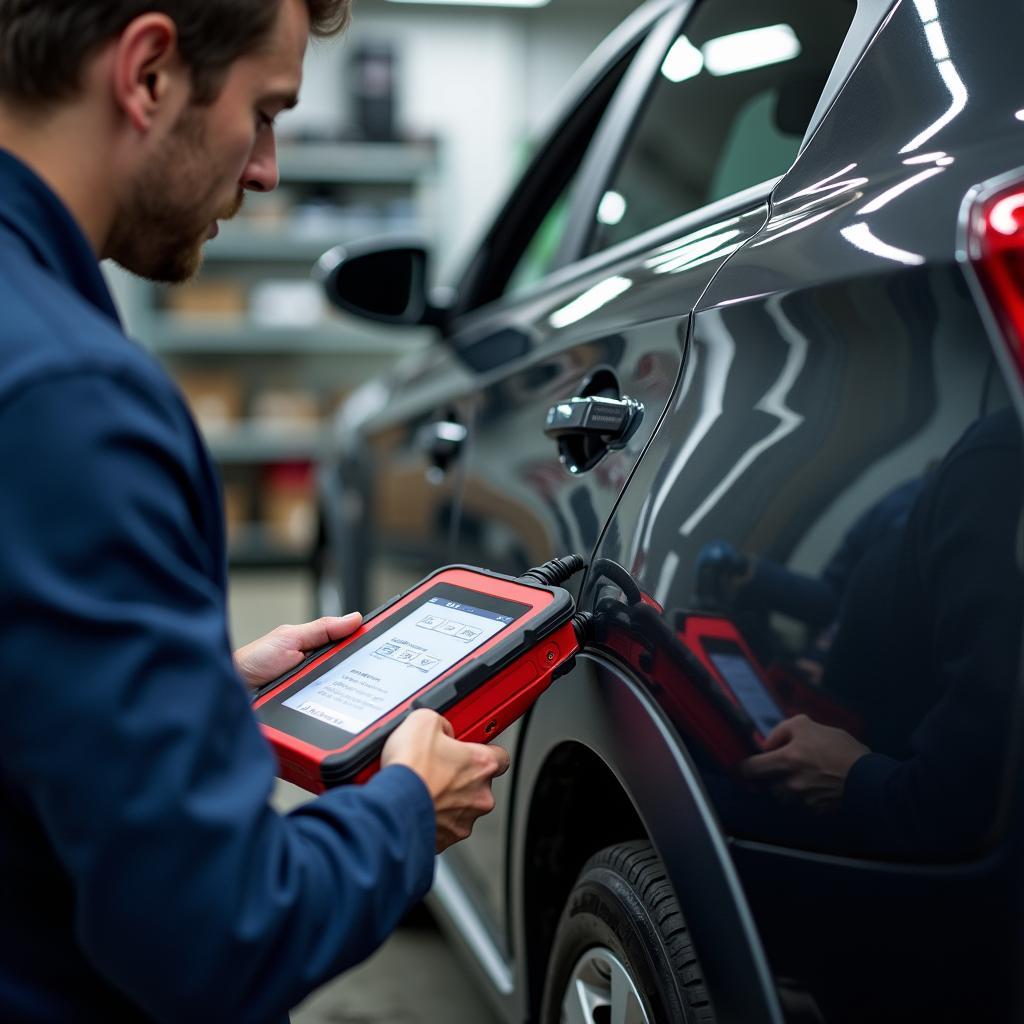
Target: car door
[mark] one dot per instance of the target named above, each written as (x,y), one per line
(393,488)
(677,179)
(391,483)
(838,485)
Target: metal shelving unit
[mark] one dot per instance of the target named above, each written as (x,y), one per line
(373,162)
(259,444)
(331,193)
(170,337)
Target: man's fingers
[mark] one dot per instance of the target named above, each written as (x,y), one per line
(780,735)
(447,728)
(503,760)
(335,627)
(310,635)
(763,766)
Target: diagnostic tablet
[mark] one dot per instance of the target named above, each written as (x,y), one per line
(476,646)
(733,674)
(737,671)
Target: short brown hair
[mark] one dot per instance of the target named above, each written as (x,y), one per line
(45,43)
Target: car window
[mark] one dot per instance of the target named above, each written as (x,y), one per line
(539,256)
(728,109)
(525,243)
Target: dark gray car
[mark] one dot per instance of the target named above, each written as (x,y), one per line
(785,242)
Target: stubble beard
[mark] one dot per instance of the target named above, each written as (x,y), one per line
(160,232)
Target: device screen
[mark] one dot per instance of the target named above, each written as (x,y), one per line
(737,671)
(392,661)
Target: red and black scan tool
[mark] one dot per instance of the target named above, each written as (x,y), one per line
(475,646)
(709,682)
(761,697)
(733,669)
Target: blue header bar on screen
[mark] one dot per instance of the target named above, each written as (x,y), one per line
(470,609)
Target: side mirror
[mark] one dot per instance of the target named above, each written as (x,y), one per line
(383,281)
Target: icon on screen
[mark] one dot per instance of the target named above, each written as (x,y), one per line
(430,621)
(451,628)
(426,662)
(387,650)
(406,655)
(468,633)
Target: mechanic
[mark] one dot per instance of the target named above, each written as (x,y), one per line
(751,588)
(928,643)
(145,874)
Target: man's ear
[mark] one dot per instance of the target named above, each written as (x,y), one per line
(149,76)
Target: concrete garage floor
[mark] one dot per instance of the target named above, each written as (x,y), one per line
(414,978)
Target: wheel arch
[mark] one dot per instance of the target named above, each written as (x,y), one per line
(597,763)
(578,807)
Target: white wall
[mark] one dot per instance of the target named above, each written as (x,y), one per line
(482,80)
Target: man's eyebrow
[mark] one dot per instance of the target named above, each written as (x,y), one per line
(285,100)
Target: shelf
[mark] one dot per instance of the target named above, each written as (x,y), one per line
(266,443)
(283,244)
(356,162)
(287,244)
(261,554)
(231,362)
(176,336)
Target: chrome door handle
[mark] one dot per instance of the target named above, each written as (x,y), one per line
(604,419)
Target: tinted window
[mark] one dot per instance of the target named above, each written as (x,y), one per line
(538,259)
(728,109)
(525,244)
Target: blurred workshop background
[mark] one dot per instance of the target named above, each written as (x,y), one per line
(416,122)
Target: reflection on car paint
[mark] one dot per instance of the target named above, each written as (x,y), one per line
(908,639)
(817,520)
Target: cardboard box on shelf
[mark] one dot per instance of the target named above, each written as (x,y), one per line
(216,399)
(236,508)
(288,505)
(285,408)
(204,299)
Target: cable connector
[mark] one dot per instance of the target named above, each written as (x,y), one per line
(583,627)
(556,571)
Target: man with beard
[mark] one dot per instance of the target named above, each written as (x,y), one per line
(144,874)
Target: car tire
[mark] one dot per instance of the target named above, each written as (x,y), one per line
(622,933)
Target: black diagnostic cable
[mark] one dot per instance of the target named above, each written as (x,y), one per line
(554,573)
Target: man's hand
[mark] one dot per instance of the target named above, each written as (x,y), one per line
(806,761)
(283,648)
(458,775)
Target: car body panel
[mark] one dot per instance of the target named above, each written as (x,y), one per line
(833,357)
(601,708)
(801,350)
(519,506)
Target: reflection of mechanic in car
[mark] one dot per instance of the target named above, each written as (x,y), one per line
(748,587)
(928,644)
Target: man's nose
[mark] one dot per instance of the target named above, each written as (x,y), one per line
(261,173)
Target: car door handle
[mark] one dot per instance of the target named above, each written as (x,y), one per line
(594,416)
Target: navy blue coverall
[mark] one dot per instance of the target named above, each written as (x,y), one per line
(143,874)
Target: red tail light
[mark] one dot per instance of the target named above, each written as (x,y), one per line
(997,251)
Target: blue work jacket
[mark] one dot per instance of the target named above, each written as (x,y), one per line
(143,873)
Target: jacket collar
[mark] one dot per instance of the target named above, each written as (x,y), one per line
(32,212)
